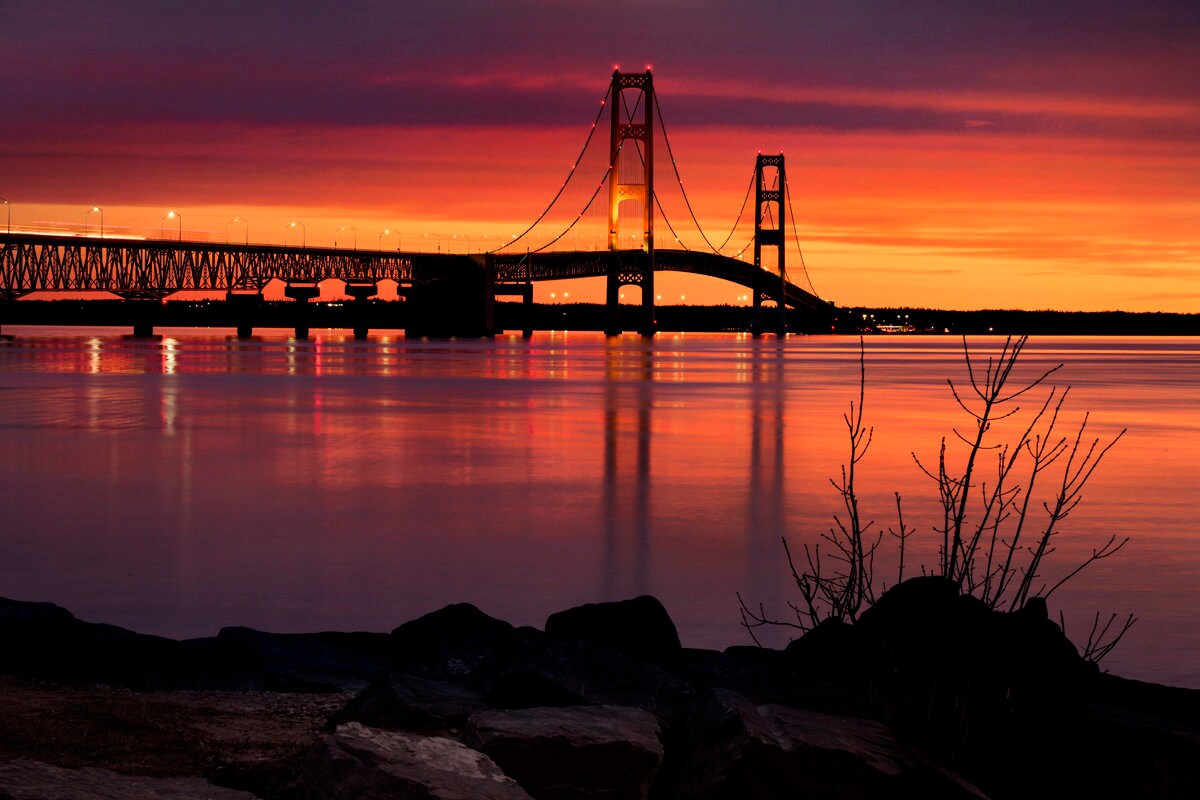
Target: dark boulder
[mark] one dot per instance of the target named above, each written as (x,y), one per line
(410,703)
(448,644)
(45,641)
(946,671)
(639,627)
(359,763)
(732,748)
(313,662)
(540,670)
(574,753)
(763,674)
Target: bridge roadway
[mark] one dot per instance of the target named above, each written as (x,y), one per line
(152,269)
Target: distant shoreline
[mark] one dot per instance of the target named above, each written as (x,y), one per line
(593,317)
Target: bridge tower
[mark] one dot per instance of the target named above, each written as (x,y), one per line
(768,202)
(631,140)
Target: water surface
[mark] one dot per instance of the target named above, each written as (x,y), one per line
(180,485)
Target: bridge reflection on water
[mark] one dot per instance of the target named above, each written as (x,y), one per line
(318,430)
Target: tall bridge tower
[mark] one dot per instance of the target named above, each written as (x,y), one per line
(768,204)
(631,161)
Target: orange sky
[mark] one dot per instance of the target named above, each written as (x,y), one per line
(986,161)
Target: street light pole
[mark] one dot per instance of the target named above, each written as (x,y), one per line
(355,230)
(88,213)
(303,233)
(389,232)
(8,206)
(179,217)
(243,220)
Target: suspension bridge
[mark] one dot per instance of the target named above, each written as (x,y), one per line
(600,223)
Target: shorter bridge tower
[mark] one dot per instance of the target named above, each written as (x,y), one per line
(631,140)
(768,204)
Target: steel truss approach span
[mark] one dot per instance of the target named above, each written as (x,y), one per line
(137,268)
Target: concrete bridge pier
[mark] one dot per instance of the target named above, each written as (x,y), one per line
(361,291)
(521,290)
(648,324)
(759,326)
(243,304)
(448,298)
(612,306)
(5,299)
(143,312)
(302,293)
(527,308)
(624,274)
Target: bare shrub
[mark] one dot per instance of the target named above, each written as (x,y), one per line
(998,526)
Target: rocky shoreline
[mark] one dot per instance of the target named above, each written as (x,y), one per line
(929,695)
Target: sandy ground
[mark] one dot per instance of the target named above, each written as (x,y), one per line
(247,740)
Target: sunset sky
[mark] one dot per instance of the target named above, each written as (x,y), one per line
(957,155)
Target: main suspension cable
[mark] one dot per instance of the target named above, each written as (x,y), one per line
(675,168)
(738,220)
(670,227)
(592,199)
(792,214)
(571,174)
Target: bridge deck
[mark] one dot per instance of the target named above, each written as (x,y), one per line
(156,268)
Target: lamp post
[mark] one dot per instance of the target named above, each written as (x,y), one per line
(174,216)
(242,220)
(435,236)
(8,206)
(355,231)
(389,232)
(303,234)
(88,213)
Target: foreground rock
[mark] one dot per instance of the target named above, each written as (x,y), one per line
(736,749)
(45,641)
(639,627)
(409,703)
(359,762)
(312,662)
(578,753)
(929,695)
(32,780)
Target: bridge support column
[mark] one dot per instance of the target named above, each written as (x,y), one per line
(301,293)
(648,324)
(489,295)
(5,299)
(447,298)
(361,291)
(635,122)
(612,304)
(527,311)
(144,313)
(244,305)
(769,208)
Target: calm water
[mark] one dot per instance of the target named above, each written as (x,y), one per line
(178,486)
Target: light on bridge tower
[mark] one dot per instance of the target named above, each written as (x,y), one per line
(632,125)
(768,203)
